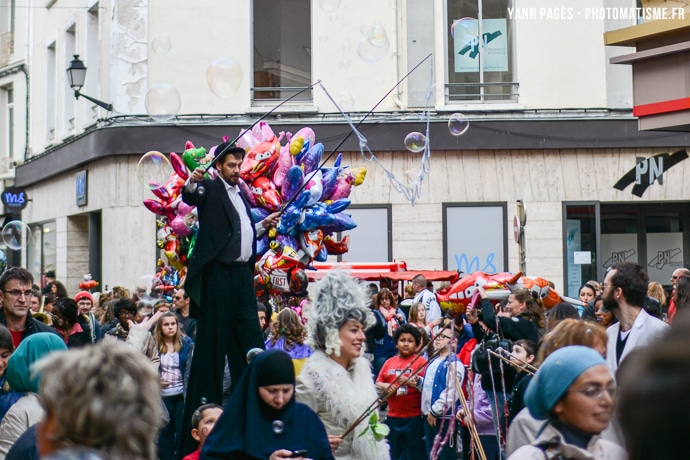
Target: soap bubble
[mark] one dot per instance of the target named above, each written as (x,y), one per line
(16,234)
(374,45)
(371,53)
(253,353)
(329,6)
(161,44)
(153,166)
(465,26)
(346,102)
(278,426)
(162,102)
(415,142)
(224,77)
(458,124)
(375,33)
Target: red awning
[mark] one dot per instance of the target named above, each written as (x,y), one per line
(378,271)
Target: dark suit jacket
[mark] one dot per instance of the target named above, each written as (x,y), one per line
(219,225)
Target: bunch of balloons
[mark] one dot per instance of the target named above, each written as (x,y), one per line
(275,175)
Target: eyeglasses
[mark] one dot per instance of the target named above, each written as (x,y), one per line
(54,316)
(674,277)
(178,298)
(596,392)
(126,313)
(18,293)
(443,336)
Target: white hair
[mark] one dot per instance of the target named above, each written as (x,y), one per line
(338,299)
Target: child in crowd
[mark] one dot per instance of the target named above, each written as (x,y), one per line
(203,421)
(524,351)
(443,375)
(404,406)
(288,334)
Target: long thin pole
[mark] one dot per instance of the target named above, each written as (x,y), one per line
(470,419)
(345,138)
(220,154)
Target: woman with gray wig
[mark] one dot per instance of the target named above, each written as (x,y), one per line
(336,380)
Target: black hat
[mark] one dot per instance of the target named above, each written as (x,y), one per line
(225,148)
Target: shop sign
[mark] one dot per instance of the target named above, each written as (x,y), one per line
(14,199)
(649,170)
(82,188)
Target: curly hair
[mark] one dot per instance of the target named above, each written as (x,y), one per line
(287,324)
(338,298)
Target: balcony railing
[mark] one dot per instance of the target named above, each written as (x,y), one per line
(481,92)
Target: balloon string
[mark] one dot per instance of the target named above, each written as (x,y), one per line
(362,139)
(220,154)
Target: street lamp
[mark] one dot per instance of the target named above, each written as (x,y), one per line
(76,73)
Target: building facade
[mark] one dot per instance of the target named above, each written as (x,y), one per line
(550,125)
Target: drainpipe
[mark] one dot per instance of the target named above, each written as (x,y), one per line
(26,131)
(396,57)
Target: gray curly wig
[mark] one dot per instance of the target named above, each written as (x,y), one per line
(338,299)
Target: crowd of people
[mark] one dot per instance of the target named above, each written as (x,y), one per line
(353,372)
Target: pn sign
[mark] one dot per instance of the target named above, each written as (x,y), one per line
(14,199)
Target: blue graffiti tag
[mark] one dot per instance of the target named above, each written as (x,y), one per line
(466,265)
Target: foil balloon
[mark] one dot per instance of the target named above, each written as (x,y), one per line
(311,242)
(292,183)
(247,192)
(285,162)
(186,220)
(195,157)
(311,159)
(302,141)
(259,214)
(259,160)
(336,247)
(178,166)
(314,186)
(265,193)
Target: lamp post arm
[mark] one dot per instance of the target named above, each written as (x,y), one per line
(105,105)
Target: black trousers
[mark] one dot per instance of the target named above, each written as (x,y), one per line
(228,325)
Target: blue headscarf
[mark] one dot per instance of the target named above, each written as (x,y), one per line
(555,375)
(30,350)
(252,428)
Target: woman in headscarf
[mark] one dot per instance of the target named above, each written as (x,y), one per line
(262,420)
(27,411)
(336,380)
(575,392)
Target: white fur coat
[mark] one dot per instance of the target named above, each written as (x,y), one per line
(339,396)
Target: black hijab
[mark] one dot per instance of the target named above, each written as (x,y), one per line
(251,429)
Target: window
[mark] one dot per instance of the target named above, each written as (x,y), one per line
(282,50)
(474,237)
(7,120)
(480,51)
(371,240)
(51,93)
(7,29)
(41,249)
(70,102)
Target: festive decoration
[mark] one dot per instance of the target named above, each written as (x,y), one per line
(273,177)
(498,286)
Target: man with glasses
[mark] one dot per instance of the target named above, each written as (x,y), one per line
(181,307)
(625,291)
(677,273)
(15,295)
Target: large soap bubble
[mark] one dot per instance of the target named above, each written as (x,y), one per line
(224,76)
(346,102)
(162,102)
(153,166)
(16,234)
(458,124)
(463,26)
(415,142)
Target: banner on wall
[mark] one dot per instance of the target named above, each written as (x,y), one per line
(494,43)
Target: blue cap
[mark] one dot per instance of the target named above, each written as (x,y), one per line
(555,375)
